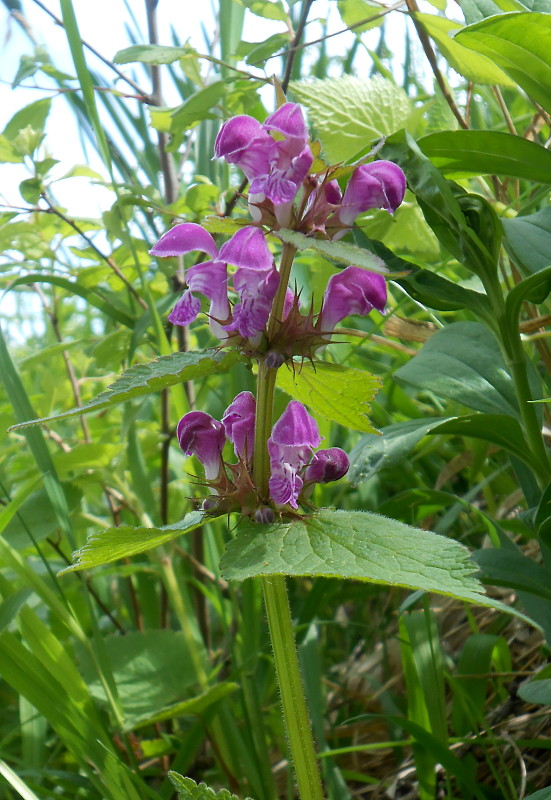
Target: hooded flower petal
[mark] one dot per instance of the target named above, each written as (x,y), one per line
(238,421)
(244,141)
(352,291)
(290,448)
(184,238)
(327,465)
(380,184)
(288,120)
(247,248)
(201,435)
(256,291)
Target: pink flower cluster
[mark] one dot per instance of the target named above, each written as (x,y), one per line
(277,160)
(295,468)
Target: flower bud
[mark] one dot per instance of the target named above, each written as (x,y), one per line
(327,465)
(380,184)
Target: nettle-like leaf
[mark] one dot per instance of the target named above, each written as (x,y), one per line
(333,391)
(337,251)
(189,790)
(144,379)
(350,112)
(114,543)
(357,545)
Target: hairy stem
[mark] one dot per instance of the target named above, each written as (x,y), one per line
(295,712)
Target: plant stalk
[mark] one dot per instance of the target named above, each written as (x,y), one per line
(515,358)
(295,712)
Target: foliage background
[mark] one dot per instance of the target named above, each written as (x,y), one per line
(110,678)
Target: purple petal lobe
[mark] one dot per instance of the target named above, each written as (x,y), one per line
(327,465)
(211,279)
(185,310)
(238,421)
(256,292)
(201,435)
(285,485)
(247,248)
(352,291)
(184,238)
(244,142)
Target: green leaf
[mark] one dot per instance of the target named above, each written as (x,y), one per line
(189,790)
(543,794)
(354,11)
(151,377)
(125,541)
(511,568)
(151,669)
(337,251)
(333,391)
(533,290)
(357,545)
(269,9)
(476,68)
(487,153)
(30,190)
(425,286)
(465,224)
(193,706)
(373,453)
(197,107)
(519,43)
(349,112)
(463,362)
(151,54)
(528,239)
(538,689)
(33,115)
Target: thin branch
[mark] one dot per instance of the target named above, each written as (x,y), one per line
(93,50)
(431,57)
(365,21)
(291,53)
(109,261)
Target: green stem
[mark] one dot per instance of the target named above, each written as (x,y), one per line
(263,426)
(287,256)
(295,712)
(515,358)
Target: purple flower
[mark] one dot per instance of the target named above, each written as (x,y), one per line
(201,435)
(243,141)
(380,184)
(352,291)
(275,168)
(247,248)
(290,446)
(256,292)
(327,465)
(255,281)
(183,239)
(238,421)
(210,279)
